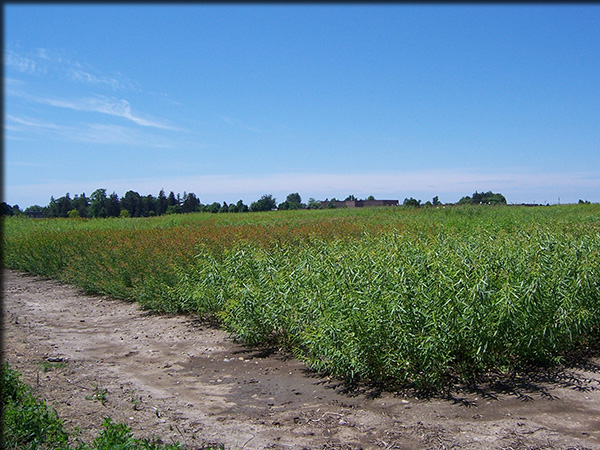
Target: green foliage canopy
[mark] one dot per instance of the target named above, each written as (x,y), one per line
(483,198)
(266,203)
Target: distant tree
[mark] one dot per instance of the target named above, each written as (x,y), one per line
(232,208)
(161,203)
(34,209)
(60,207)
(436,201)
(294,198)
(113,207)
(190,203)
(495,199)
(466,200)
(132,202)
(293,201)
(52,209)
(124,214)
(173,209)
(73,214)
(149,205)
(16,210)
(212,208)
(6,209)
(313,203)
(98,203)
(265,203)
(224,208)
(351,197)
(241,207)
(477,198)
(64,205)
(483,198)
(584,202)
(411,202)
(171,200)
(81,204)
(370,197)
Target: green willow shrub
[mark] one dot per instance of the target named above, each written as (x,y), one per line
(399,295)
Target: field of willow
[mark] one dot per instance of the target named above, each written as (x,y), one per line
(402,296)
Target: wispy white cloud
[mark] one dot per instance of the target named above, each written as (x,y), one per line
(40,59)
(43,60)
(51,56)
(111,106)
(21,123)
(42,53)
(86,77)
(20,63)
(95,133)
(12,82)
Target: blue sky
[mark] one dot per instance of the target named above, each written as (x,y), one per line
(235,101)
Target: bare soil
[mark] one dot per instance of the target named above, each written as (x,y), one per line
(176,377)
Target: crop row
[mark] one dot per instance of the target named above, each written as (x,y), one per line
(400,296)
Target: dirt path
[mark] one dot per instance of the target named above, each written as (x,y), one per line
(185,381)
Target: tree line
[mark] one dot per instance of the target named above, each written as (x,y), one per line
(100,204)
(132,204)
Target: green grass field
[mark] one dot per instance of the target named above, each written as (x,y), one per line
(396,295)
(29,423)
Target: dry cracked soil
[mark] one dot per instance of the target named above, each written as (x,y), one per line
(184,380)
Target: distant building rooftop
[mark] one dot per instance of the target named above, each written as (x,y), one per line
(358,203)
(35,214)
